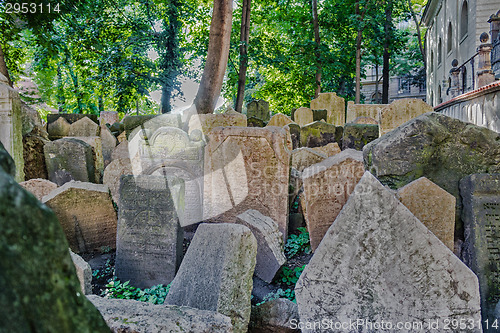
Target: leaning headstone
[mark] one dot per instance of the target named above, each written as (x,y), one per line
(86,214)
(40,289)
(270,256)
(305,157)
(69,159)
(96,144)
(108,141)
(108,117)
(294,130)
(30,118)
(120,151)
(216,273)
(84,273)
(113,172)
(84,127)
(255,122)
(258,109)
(58,129)
(206,122)
(245,168)
(379,264)
(356,136)
(125,315)
(276,316)
(327,186)
(279,120)
(481,251)
(34,158)
(433,206)
(11,126)
(355,111)
(399,112)
(39,187)
(303,116)
(319,134)
(329,150)
(333,104)
(435,146)
(149,237)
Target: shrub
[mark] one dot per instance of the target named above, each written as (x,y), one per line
(298,243)
(117,289)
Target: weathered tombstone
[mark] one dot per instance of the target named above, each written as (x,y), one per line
(108,117)
(84,127)
(481,251)
(258,109)
(245,168)
(40,289)
(30,119)
(112,174)
(96,144)
(303,116)
(126,315)
(433,206)
(70,117)
(355,111)
(319,134)
(149,237)
(276,316)
(153,124)
(39,187)
(132,122)
(294,130)
(379,264)
(120,151)
(69,159)
(34,158)
(319,115)
(399,112)
(327,186)
(333,104)
(329,150)
(11,126)
(356,136)
(206,122)
(58,129)
(365,120)
(279,120)
(438,147)
(84,273)
(255,122)
(86,214)
(108,141)
(270,256)
(305,157)
(216,273)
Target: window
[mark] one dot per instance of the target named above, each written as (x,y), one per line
(449,41)
(404,85)
(440,53)
(464,20)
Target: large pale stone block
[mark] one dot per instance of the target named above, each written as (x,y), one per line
(329,150)
(433,206)
(84,127)
(149,237)
(378,262)
(333,104)
(39,187)
(355,111)
(303,116)
(246,168)
(279,120)
(206,122)
(86,214)
(305,157)
(327,186)
(399,112)
(216,273)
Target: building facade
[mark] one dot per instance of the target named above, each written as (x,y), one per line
(454,28)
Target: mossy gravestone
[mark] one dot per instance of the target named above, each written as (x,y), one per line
(40,291)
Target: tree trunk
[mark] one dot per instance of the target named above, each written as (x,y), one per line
(317,54)
(244,38)
(217,55)
(361,17)
(387,52)
(417,24)
(3,67)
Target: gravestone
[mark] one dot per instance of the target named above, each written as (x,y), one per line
(333,104)
(320,115)
(39,187)
(84,127)
(355,111)
(112,174)
(329,150)
(356,136)
(11,125)
(275,316)
(70,117)
(365,120)
(319,134)
(154,123)
(86,214)
(108,141)
(270,256)
(206,122)
(39,287)
(245,168)
(108,117)
(379,264)
(255,122)
(305,157)
(481,251)
(279,120)
(34,158)
(149,237)
(433,206)
(258,109)
(399,112)
(327,186)
(130,123)
(31,119)
(58,129)
(84,273)
(303,116)
(216,273)
(96,144)
(294,130)
(120,151)
(69,159)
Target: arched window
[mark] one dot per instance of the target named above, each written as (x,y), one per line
(464,20)
(440,52)
(449,41)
